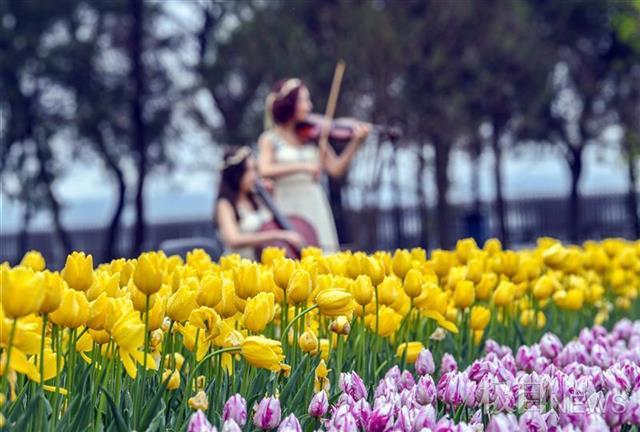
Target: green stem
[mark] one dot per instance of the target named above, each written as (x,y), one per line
(283,337)
(8,362)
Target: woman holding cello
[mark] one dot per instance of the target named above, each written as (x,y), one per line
(240,214)
(295,165)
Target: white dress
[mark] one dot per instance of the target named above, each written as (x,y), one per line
(250,221)
(301,195)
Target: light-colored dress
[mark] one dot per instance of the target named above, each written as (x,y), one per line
(300,194)
(250,221)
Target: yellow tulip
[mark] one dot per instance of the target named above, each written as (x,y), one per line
(199,402)
(401,262)
(148,273)
(128,334)
(572,299)
(174,361)
(464,294)
(262,352)
(389,321)
(206,319)
(172,379)
(100,337)
(413,283)
(22,291)
(181,303)
(355,264)
(388,290)
(554,255)
(419,254)
(308,342)
(412,349)
(73,311)
(475,270)
(246,281)
(299,287)
(98,312)
(527,317)
(139,299)
(283,269)
(509,262)
(270,254)
(492,246)
(324,349)
(157,313)
(210,291)
(544,287)
(54,285)
(340,325)
(486,285)
(362,290)
(227,305)
(374,269)
(335,302)
(480,317)
(504,294)
(465,248)
(442,262)
(33,260)
(259,312)
(321,370)
(78,271)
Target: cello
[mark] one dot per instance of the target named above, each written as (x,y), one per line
(289,223)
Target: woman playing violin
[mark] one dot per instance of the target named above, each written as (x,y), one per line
(295,165)
(238,213)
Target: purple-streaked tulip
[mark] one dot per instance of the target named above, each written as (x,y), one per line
(342,420)
(393,374)
(352,384)
(319,404)
(448,364)
(425,418)
(615,406)
(385,386)
(532,421)
(486,390)
(600,356)
(550,345)
(199,423)
(525,358)
(594,423)
(505,401)
(632,414)
(290,424)
(406,381)
(403,422)
(470,400)
(361,411)
(452,388)
(231,426)
(267,413)
(380,418)
(235,409)
(424,363)
(503,423)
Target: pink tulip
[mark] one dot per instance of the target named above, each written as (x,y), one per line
(380,418)
(235,409)
(406,381)
(448,364)
(290,424)
(425,418)
(267,413)
(231,426)
(361,411)
(425,390)
(199,423)
(352,384)
(550,346)
(424,363)
(319,404)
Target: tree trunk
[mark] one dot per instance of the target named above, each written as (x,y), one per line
(574,220)
(632,197)
(422,202)
(137,120)
(442,186)
(503,231)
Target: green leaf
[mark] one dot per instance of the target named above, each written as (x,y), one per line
(152,406)
(24,419)
(158,423)
(119,423)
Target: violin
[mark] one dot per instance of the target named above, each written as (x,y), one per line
(340,129)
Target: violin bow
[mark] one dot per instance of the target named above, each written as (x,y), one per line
(331,106)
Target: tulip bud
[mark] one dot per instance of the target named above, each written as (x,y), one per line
(424,363)
(351,384)
(148,273)
(340,325)
(380,417)
(22,291)
(319,404)
(335,302)
(181,303)
(33,260)
(486,284)
(504,294)
(308,342)
(210,291)
(448,364)
(290,424)
(425,390)
(480,317)
(271,254)
(464,294)
(464,249)
(413,283)
(78,271)
(374,270)
(171,378)
(282,271)
(259,311)
(362,290)
(401,262)
(388,290)
(267,413)
(73,311)
(230,426)
(235,409)
(299,287)
(550,346)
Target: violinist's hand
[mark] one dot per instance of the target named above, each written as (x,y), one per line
(314,169)
(267,184)
(293,238)
(360,132)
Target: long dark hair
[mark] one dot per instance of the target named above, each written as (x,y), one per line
(234,167)
(282,101)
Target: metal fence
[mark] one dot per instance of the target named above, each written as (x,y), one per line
(370,229)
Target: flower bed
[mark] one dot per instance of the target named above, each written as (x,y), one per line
(339,342)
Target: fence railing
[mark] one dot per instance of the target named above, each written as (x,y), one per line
(370,229)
